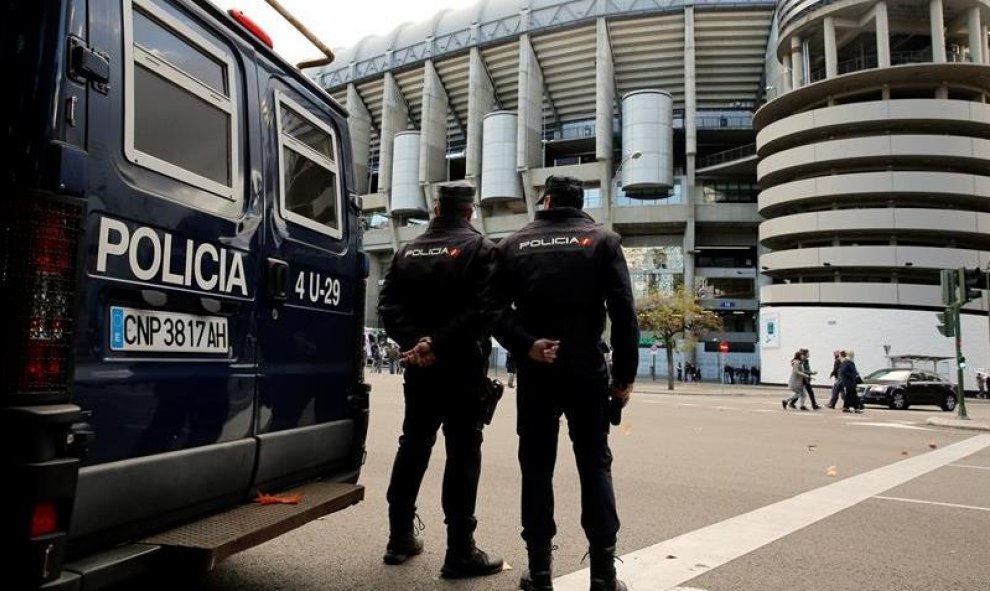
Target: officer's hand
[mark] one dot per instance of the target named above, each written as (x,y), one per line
(421,355)
(544,351)
(623,394)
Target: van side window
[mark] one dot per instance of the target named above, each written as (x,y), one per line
(180,108)
(310,192)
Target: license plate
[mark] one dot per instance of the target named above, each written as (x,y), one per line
(167,332)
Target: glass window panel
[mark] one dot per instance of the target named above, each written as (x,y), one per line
(310,189)
(165,44)
(307,133)
(180,128)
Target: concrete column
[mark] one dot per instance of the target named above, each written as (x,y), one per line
(529,139)
(433,129)
(831,53)
(691,152)
(604,94)
(395,118)
(937,20)
(985,36)
(785,78)
(376,273)
(942,92)
(797,63)
(481,100)
(975,29)
(883,35)
(359,126)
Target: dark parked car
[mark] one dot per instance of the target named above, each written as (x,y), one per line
(901,388)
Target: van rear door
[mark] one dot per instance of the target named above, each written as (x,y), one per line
(166,353)
(308,330)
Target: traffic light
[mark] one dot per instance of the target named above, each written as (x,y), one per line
(947,323)
(949,289)
(970,282)
(962,362)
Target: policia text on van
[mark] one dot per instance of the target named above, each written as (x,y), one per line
(182,288)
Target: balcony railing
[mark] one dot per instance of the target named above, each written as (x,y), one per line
(727,156)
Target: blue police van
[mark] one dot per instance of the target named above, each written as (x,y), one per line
(182,289)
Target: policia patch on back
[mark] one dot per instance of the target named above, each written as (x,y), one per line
(556,243)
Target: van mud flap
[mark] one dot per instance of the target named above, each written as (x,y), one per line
(203,544)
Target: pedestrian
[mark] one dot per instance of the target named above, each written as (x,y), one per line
(795,382)
(444,333)
(806,366)
(727,374)
(742,374)
(837,358)
(394,355)
(510,368)
(680,372)
(697,373)
(754,374)
(376,353)
(850,378)
(981,384)
(564,272)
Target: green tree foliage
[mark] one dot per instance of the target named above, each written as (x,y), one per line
(671,316)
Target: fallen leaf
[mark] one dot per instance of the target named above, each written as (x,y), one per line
(626,429)
(506,566)
(904,453)
(671,557)
(832,471)
(263,499)
(812,447)
(932,444)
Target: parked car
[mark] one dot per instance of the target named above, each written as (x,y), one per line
(901,388)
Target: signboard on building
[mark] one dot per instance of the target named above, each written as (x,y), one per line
(769,330)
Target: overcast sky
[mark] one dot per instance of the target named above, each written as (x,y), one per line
(337,23)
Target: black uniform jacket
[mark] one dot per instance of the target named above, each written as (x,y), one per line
(560,273)
(441,285)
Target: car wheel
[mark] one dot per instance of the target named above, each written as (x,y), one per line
(949,404)
(899,400)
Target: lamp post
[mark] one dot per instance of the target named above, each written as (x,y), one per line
(614,187)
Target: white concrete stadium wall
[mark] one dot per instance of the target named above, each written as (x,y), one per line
(866,331)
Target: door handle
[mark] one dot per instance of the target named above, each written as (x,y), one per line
(277,280)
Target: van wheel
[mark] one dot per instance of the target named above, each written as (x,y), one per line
(899,401)
(949,404)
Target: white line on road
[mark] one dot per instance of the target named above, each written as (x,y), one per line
(678,560)
(971,467)
(892,426)
(920,502)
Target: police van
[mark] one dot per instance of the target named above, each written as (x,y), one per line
(182,289)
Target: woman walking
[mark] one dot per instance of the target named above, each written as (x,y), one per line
(796,382)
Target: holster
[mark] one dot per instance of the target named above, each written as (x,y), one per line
(491,393)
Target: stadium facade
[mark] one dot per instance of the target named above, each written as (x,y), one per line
(808,166)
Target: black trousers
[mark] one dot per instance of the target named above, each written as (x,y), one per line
(434,398)
(542,397)
(851,398)
(811,392)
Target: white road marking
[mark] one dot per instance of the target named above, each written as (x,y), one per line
(702,550)
(921,502)
(971,467)
(892,426)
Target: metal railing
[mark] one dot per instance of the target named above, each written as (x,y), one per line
(727,156)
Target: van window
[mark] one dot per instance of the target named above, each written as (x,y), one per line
(310,191)
(180,108)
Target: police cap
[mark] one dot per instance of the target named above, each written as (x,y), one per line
(456,194)
(565,190)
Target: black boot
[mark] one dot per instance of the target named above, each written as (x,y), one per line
(603,570)
(403,543)
(539,576)
(461,563)
(402,548)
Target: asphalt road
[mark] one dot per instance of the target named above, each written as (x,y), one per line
(683,461)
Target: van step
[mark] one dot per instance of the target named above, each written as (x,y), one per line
(208,541)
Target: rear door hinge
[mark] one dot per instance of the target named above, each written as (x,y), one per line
(88,64)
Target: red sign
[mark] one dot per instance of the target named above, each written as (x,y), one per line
(723,347)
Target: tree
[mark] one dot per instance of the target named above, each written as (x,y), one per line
(668,316)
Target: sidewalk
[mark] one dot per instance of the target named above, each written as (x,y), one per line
(708,388)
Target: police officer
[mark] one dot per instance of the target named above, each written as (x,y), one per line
(562,272)
(438,304)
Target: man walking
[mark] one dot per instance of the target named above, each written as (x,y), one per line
(563,271)
(806,365)
(837,358)
(438,303)
(850,378)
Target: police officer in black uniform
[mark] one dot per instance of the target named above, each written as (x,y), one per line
(438,303)
(562,272)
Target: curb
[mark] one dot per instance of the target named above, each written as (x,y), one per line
(958,424)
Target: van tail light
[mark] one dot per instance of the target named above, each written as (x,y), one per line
(44,519)
(39,246)
(251,26)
